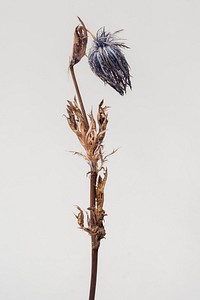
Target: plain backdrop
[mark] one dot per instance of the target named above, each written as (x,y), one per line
(152,246)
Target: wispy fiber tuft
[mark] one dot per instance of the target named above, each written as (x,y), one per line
(108,62)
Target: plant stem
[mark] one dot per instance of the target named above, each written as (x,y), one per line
(93,179)
(71,67)
(94,247)
(93,274)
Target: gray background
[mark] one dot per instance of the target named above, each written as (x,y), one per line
(152,196)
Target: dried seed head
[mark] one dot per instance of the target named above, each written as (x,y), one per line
(108,62)
(80,43)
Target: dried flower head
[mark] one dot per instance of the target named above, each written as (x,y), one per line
(108,62)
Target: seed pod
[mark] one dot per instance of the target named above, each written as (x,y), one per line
(80,43)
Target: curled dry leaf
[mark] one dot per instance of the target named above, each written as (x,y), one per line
(80,43)
(80,217)
(100,190)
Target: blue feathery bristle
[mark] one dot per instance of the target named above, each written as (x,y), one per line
(108,62)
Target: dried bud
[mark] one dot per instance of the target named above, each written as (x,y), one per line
(108,62)
(80,43)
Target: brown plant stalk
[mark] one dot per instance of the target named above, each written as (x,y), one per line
(94,250)
(93,177)
(91,138)
(71,67)
(108,62)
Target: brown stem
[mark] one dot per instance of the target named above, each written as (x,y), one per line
(94,246)
(92,35)
(71,67)
(93,179)
(93,274)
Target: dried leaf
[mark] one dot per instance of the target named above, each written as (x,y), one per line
(113,152)
(80,217)
(102,119)
(100,190)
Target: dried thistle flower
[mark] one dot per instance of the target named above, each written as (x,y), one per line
(108,62)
